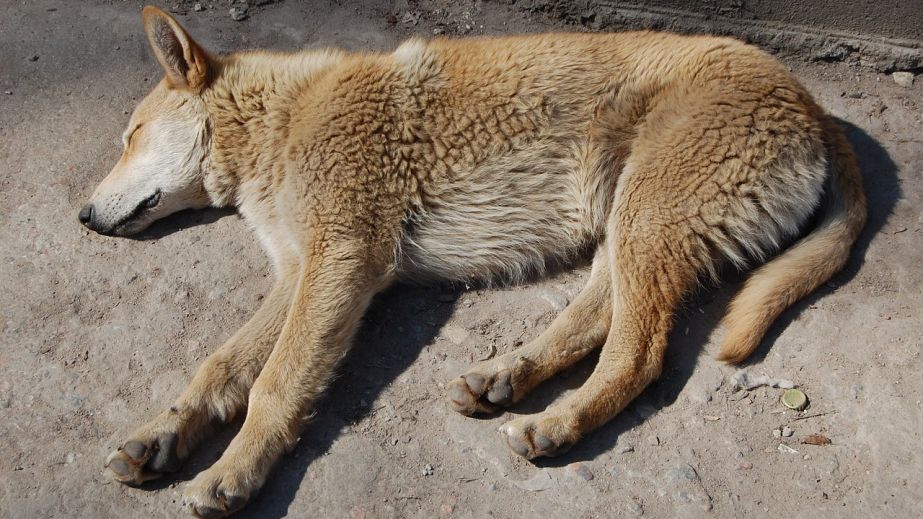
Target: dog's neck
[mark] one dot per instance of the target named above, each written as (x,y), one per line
(250,105)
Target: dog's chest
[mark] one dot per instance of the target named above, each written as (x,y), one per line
(508,216)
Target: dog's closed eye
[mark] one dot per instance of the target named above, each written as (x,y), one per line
(152,200)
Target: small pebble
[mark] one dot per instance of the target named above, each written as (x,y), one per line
(635,508)
(197,7)
(787,432)
(556,298)
(625,449)
(683,472)
(33,57)
(580,470)
(745,466)
(653,440)
(239,14)
(777,433)
(70,458)
(454,333)
(904,79)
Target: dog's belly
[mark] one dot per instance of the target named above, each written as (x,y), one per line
(509,216)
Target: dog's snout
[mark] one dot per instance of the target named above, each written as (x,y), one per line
(86,215)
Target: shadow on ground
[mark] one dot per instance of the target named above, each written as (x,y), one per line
(882,190)
(400,322)
(182,220)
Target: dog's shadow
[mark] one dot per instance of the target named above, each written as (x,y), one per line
(405,319)
(182,220)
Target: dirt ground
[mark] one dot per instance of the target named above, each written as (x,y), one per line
(100,334)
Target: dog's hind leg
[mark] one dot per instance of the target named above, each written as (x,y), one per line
(581,328)
(218,392)
(651,272)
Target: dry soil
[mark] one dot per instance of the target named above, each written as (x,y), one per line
(99,334)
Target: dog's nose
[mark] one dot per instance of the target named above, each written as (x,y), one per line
(86,215)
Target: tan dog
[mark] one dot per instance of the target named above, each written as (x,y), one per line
(476,159)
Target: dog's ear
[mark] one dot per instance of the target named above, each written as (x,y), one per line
(187,65)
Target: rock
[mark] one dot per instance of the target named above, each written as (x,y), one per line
(34,57)
(456,334)
(685,487)
(427,470)
(683,472)
(744,380)
(239,14)
(197,7)
(70,458)
(634,506)
(834,52)
(540,481)
(557,299)
(777,433)
(904,79)
(787,432)
(411,18)
(580,470)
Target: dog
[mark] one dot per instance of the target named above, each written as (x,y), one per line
(673,157)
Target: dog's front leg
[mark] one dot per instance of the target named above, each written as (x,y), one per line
(334,289)
(216,394)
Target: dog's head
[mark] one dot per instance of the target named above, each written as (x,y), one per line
(166,144)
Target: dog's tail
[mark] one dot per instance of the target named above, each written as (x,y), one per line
(811,261)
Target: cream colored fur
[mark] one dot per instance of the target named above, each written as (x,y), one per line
(477,159)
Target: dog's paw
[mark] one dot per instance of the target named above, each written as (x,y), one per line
(216,492)
(491,385)
(475,392)
(145,456)
(539,435)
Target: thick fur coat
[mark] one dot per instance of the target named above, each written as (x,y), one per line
(477,159)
